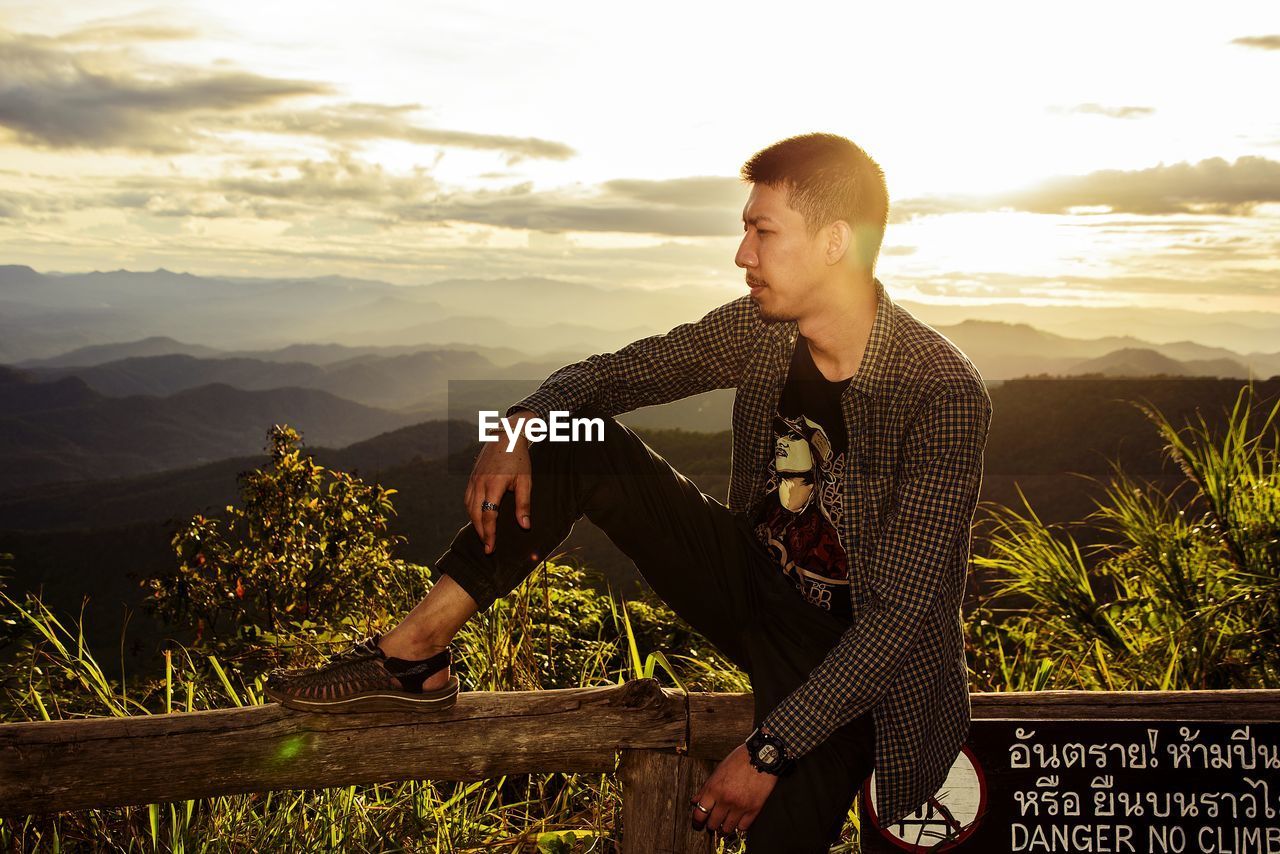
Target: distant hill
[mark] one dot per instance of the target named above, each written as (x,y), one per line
(96,354)
(1040,427)
(1141,362)
(1009,350)
(416,380)
(207,488)
(63,430)
(391,382)
(314,354)
(43,315)
(1243,331)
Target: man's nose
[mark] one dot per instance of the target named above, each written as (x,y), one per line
(746,257)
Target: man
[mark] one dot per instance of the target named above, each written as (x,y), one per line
(835,573)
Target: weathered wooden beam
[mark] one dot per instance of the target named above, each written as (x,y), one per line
(79,764)
(656,816)
(1243,705)
(720,722)
(98,762)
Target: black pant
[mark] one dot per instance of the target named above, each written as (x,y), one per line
(704,562)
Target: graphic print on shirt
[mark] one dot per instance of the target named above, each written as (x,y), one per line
(804,488)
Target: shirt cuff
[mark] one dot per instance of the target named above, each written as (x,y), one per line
(540,403)
(777,726)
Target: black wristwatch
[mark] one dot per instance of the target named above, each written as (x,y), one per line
(768,753)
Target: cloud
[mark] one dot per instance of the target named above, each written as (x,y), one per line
(682,207)
(1241,282)
(355,122)
(55,96)
(1212,186)
(117,33)
(697,192)
(292,191)
(17,205)
(344,185)
(344,178)
(89,89)
(1261,42)
(1130,112)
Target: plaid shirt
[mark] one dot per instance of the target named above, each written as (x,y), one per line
(917,414)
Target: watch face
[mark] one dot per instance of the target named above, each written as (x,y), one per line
(768,754)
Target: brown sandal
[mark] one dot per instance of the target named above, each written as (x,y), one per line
(364,679)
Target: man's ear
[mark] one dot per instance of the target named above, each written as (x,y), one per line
(839,241)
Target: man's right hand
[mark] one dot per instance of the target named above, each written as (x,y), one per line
(497,471)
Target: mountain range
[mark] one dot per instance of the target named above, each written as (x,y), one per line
(64,430)
(417,380)
(43,315)
(123,408)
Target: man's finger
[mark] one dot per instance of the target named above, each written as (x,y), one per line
(699,816)
(730,824)
(745,822)
(490,519)
(718,813)
(524,489)
(473,511)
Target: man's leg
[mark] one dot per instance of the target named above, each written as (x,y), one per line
(808,806)
(689,547)
(428,628)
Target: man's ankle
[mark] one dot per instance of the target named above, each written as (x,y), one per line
(401,645)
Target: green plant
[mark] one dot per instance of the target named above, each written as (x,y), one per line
(305,555)
(1185,596)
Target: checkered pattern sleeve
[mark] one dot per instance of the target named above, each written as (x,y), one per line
(692,358)
(922,549)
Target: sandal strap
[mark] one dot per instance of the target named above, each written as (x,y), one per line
(413,673)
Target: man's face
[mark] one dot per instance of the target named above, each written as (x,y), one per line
(782,261)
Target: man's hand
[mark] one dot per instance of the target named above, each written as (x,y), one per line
(496,471)
(734,793)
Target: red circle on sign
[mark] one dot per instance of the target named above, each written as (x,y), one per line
(941,841)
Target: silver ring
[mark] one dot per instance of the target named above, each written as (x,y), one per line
(488,505)
(701,807)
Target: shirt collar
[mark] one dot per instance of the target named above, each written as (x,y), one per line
(874,368)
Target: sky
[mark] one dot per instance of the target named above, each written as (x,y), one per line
(1092,153)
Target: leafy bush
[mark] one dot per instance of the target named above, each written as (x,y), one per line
(306,554)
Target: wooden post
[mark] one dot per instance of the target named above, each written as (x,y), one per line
(656,788)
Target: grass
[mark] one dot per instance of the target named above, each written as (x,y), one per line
(506,648)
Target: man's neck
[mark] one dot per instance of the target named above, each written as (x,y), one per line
(839,331)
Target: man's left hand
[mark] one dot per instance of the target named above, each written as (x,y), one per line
(734,793)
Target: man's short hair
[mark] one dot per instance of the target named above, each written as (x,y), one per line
(827,178)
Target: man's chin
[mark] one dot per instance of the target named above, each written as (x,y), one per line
(772,316)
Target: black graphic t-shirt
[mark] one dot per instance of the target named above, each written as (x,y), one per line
(804,486)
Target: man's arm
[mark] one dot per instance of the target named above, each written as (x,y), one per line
(912,563)
(690,359)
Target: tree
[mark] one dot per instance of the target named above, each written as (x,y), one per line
(306,553)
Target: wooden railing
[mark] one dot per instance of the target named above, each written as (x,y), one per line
(669,742)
